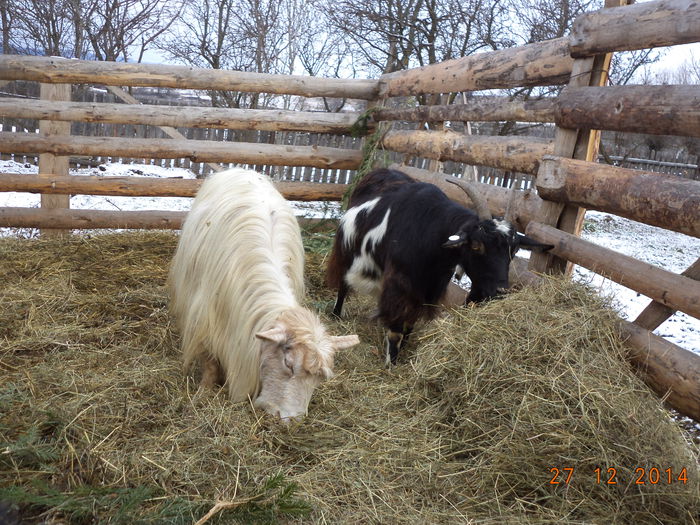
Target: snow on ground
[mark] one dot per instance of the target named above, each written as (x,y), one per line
(668,250)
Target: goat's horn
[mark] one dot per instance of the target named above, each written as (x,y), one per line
(480,205)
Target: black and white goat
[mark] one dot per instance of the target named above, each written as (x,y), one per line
(402,240)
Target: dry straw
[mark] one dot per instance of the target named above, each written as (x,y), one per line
(99,424)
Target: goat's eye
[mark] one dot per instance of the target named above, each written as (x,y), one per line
(288,360)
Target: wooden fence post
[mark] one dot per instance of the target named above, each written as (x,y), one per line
(577,144)
(49,163)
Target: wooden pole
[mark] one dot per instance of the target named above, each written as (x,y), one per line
(508,153)
(179,116)
(99,219)
(675,291)
(61,70)
(639,26)
(573,143)
(480,109)
(539,64)
(656,313)
(89,219)
(195,150)
(656,110)
(666,201)
(150,186)
(51,163)
(671,371)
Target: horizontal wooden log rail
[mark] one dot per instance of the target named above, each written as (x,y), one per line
(675,291)
(195,150)
(64,71)
(540,64)
(521,154)
(639,26)
(666,201)
(656,313)
(70,219)
(180,116)
(151,186)
(656,110)
(110,219)
(671,371)
(522,205)
(479,109)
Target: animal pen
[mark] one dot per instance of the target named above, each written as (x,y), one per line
(567,179)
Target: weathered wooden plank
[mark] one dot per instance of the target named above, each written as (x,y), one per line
(479,109)
(60,70)
(52,163)
(656,110)
(509,153)
(656,313)
(672,290)
(88,219)
(671,371)
(666,201)
(638,26)
(541,63)
(574,143)
(99,219)
(150,186)
(197,151)
(180,116)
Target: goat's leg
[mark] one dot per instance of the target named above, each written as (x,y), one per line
(397,310)
(407,331)
(342,293)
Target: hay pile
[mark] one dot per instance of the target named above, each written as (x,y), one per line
(98,423)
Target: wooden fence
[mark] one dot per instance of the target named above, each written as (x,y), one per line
(669,161)
(567,180)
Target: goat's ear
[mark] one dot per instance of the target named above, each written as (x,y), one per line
(456,240)
(341,342)
(528,243)
(276,334)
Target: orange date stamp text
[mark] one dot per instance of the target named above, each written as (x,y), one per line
(610,476)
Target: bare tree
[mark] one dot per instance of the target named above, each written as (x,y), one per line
(390,35)
(116,28)
(539,20)
(381,33)
(43,27)
(688,72)
(7,20)
(244,35)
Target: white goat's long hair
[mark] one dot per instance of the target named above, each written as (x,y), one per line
(239,265)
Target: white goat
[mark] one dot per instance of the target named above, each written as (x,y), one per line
(235,285)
